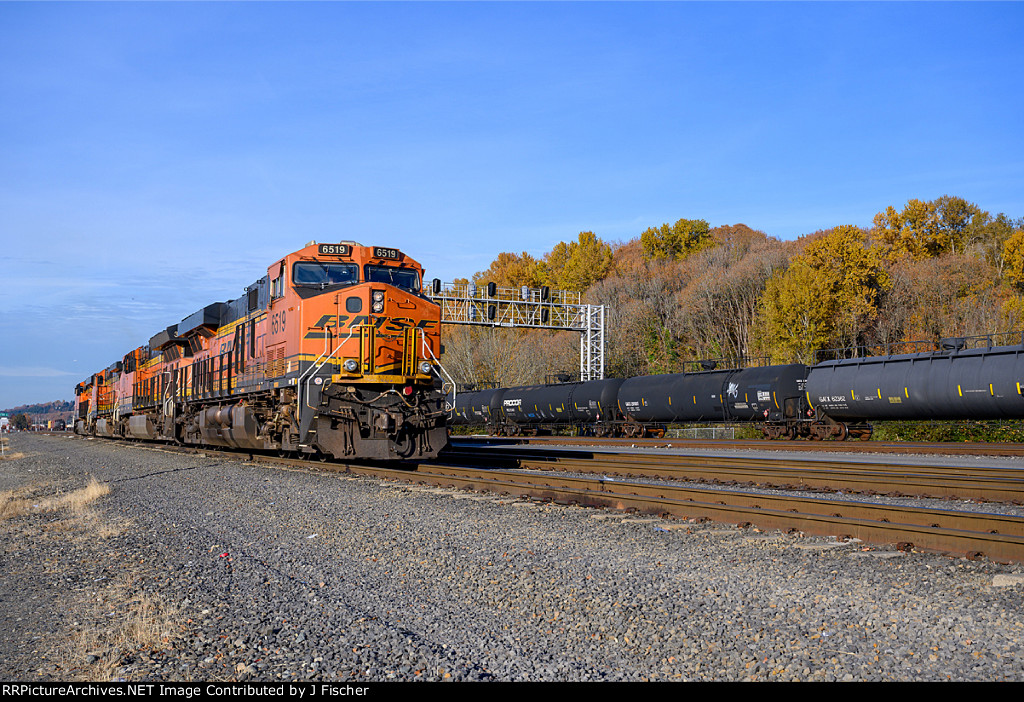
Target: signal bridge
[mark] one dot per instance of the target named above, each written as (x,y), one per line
(537,308)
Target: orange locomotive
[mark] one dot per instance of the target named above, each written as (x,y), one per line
(333,352)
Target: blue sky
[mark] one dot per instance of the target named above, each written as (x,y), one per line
(157,157)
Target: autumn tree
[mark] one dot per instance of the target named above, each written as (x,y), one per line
(826,298)
(511,271)
(953,295)
(1013,258)
(927,229)
(477,356)
(912,231)
(576,265)
(722,298)
(676,241)
(792,323)
(645,322)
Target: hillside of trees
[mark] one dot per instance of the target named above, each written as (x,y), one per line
(44,408)
(685,291)
(43,412)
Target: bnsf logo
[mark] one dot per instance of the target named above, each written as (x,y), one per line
(382,324)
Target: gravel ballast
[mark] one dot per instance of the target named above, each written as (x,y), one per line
(249,572)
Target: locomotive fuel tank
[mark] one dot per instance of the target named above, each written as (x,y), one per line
(968,384)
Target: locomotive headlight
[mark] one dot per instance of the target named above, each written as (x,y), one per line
(351,365)
(425,368)
(377,301)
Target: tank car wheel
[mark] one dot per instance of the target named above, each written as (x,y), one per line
(842,432)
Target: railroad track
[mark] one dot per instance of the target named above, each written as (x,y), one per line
(998,537)
(914,448)
(889,476)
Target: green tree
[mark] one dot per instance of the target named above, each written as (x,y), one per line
(20,421)
(676,241)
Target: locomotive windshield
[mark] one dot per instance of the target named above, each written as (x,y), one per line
(405,278)
(320,275)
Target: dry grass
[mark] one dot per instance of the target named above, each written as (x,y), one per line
(118,623)
(15,503)
(5,451)
(114,622)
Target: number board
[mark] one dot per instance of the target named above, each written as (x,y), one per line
(334,249)
(382,252)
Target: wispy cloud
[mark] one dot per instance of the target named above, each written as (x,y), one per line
(31,372)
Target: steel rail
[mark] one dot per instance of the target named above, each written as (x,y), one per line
(998,537)
(989,483)
(916,448)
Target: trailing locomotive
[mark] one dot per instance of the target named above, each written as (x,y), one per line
(833,399)
(333,353)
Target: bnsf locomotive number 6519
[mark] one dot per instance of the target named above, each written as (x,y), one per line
(333,352)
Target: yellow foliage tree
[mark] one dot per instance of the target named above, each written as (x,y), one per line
(927,229)
(826,298)
(1013,258)
(511,271)
(792,323)
(578,264)
(676,241)
(911,232)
